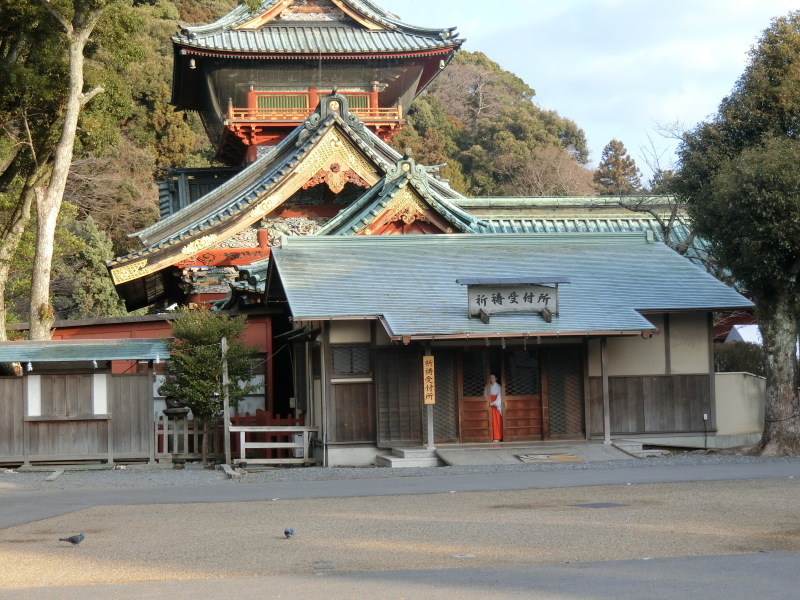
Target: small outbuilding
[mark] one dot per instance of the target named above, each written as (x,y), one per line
(591,336)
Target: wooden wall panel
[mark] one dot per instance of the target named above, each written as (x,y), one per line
(131,407)
(12,407)
(351,416)
(398,385)
(66,395)
(652,404)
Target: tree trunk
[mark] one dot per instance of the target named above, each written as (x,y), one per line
(204,445)
(778,324)
(12,234)
(48,199)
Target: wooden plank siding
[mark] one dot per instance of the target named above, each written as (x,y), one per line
(351,417)
(651,404)
(67,428)
(68,440)
(12,411)
(131,407)
(66,395)
(398,383)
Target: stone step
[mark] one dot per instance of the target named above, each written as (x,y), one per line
(412,456)
(414,452)
(635,448)
(395,462)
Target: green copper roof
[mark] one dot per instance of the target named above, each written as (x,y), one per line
(84,350)
(405,172)
(409,282)
(323,33)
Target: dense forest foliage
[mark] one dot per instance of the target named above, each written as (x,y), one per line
(476,117)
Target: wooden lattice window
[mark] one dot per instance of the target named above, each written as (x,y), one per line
(351,361)
(283,102)
(357,101)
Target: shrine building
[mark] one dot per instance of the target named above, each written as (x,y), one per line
(358,263)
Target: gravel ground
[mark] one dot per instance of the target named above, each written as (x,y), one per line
(437,531)
(160,542)
(157,476)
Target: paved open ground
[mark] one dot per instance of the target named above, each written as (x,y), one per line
(240,541)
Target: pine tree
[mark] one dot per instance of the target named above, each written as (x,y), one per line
(93,294)
(617,174)
(194,369)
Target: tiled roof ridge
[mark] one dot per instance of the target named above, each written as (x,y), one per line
(371,10)
(498,239)
(207,211)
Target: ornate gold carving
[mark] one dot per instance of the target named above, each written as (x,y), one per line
(408,207)
(335,178)
(266,206)
(130,272)
(199,244)
(335,148)
(334,105)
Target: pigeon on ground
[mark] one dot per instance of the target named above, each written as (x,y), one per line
(73,539)
(288,532)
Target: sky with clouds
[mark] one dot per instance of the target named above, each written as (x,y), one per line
(618,68)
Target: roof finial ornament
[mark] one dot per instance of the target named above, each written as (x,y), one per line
(333,104)
(406,169)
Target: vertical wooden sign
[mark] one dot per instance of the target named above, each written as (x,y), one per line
(428,380)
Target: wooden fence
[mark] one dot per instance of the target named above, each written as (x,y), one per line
(272,438)
(70,417)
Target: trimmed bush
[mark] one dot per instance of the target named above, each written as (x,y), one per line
(735,357)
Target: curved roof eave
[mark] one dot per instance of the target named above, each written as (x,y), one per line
(366,8)
(207,212)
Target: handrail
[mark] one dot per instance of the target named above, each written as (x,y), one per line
(300,114)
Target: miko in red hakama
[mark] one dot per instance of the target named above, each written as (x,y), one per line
(497,423)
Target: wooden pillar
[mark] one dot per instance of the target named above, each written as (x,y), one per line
(373,96)
(313,97)
(269,400)
(711,423)
(429,408)
(587,401)
(667,346)
(226,423)
(544,369)
(151,375)
(606,396)
(252,99)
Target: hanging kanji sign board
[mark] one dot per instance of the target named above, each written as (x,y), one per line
(494,296)
(428,381)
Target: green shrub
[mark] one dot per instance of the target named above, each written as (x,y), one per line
(735,357)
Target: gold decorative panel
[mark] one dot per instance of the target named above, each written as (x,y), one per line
(336,148)
(266,206)
(199,244)
(130,272)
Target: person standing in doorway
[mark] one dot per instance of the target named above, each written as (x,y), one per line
(494,396)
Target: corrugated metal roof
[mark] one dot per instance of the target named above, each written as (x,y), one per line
(410,281)
(84,350)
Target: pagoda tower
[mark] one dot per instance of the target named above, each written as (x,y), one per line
(255,76)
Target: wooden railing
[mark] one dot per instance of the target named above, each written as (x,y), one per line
(297,115)
(296,439)
(272,436)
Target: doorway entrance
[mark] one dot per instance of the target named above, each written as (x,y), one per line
(519,373)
